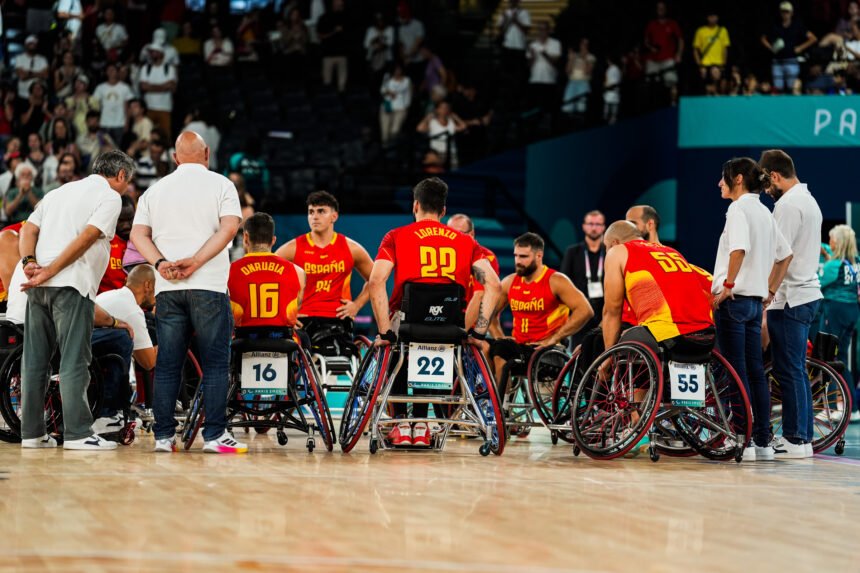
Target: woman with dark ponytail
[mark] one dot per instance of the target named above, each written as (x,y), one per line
(751,260)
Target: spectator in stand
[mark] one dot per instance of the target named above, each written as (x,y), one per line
(248,37)
(396,99)
(157,83)
(7,179)
(29,67)
(472,143)
(139,127)
(514,24)
(611,90)
(7,113)
(750,86)
(245,199)
(333,32)
(378,41)
(153,163)
(435,73)
(441,126)
(65,174)
(113,96)
(410,35)
(159,42)
(71,161)
(64,76)
(840,281)
(251,165)
(787,40)
(543,55)
(70,16)
(844,30)
(196,122)
(94,140)
(22,199)
(580,64)
(290,43)
(112,36)
(711,45)
(664,45)
(35,110)
(80,103)
(187,43)
(218,50)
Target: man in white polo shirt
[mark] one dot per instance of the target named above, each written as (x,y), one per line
(113,96)
(65,247)
(157,83)
(183,226)
(29,67)
(795,303)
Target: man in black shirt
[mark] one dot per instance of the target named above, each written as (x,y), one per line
(583,263)
(331,29)
(787,40)
(476,115)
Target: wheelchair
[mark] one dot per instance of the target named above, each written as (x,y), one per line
(273,384)
(10,393)
(431,354)
(704,404)
(831,396)
(142,393)
(526,388)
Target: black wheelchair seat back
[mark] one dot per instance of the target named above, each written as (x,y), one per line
(11,335)
(264,339)
(432,312)
(333,339)
(693,348)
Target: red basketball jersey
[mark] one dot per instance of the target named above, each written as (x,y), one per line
(537,312)
(264,290)
(115,275)
(428,252)
(15,228)
(329,273)
(665,291)
(476,286)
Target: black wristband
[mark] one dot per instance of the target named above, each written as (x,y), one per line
(158,262)
(27,260)
(474,334)
(390,336)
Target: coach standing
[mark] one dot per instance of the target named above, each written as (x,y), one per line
(183,226)
(795,303)
(65,247)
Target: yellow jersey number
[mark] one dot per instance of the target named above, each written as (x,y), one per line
(672,262)
(438,262)
(264,300)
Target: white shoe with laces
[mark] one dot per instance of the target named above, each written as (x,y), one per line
(764,454)
(108,424)
(165,445)
(750,454)
(789,451)
(809,452)
(94,442)
(226,444)
(45,441)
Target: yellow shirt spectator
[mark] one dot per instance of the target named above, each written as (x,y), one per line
(711,44)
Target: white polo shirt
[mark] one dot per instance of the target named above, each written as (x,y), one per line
(542,71)
(158,74)
(29,63)
(62,215)
(120,304)
(515,39)
(750,228)
(799,219)
(184,210)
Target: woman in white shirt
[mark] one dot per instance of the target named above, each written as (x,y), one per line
(441,126)
(750,258)
(218,50)
(579,67)
(396,97)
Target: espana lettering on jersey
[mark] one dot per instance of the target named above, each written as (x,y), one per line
(528,306)
(332,267)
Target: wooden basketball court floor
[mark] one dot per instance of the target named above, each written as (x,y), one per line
(536,509)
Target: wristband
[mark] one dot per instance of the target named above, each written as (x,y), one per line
(727,284)
(389,335)
(474,334)
(158,262)
(115,322)
(27,260)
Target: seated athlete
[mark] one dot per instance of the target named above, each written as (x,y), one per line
(327,259)
(664,291)
(426,251)
(115,275)
(475,292)
(265,289)
(546,306)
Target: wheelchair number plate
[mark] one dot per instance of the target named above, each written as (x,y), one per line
(265,373)
(688,384)
(431,366)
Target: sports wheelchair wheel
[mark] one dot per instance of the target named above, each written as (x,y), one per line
(610,416)
(720,429)
(317,405)
(544,369)
(562,393)
(363,395)
(831,404)
(10,394)
(480,383)
(194,416)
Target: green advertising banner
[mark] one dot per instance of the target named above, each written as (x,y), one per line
(769,121)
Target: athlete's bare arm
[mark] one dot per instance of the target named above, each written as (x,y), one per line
(472,309)
(287,250)
(9,256)
(613,295)
(379,296)
(303,280)
(364,265)
(580,309)
(496,324)
(486,276)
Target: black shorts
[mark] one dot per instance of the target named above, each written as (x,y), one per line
(508,349)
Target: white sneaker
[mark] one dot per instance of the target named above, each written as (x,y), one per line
(45,441)
(226,444)
(764,454)
(92,443)
(165,445)
(750,454)
(855,417)
(809,452)
(788,451)
(108,424)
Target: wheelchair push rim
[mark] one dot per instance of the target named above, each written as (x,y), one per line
(362,397)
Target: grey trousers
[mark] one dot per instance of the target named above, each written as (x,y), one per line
(57,317)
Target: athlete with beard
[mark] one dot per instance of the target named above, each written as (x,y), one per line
(547,307)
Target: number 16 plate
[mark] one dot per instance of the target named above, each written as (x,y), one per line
(265,373)
(431,366)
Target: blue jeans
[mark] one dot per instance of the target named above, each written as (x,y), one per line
(839,319)
(113,341)
(206,315)
(785,72)
(738,324)
(789,331)
(576,88)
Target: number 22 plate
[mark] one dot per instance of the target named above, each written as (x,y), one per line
(431,366)
(688,384)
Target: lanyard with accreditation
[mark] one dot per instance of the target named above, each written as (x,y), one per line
(595,286)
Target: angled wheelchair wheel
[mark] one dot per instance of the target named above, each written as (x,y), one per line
(544,368)
(194,418)
(722,427)
(480,383)
(562,392)
(831,404)
(317,404)
(362,396)
(610,416)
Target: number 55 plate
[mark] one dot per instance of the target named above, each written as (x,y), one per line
(431,366)
(265,373)
(687,382)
